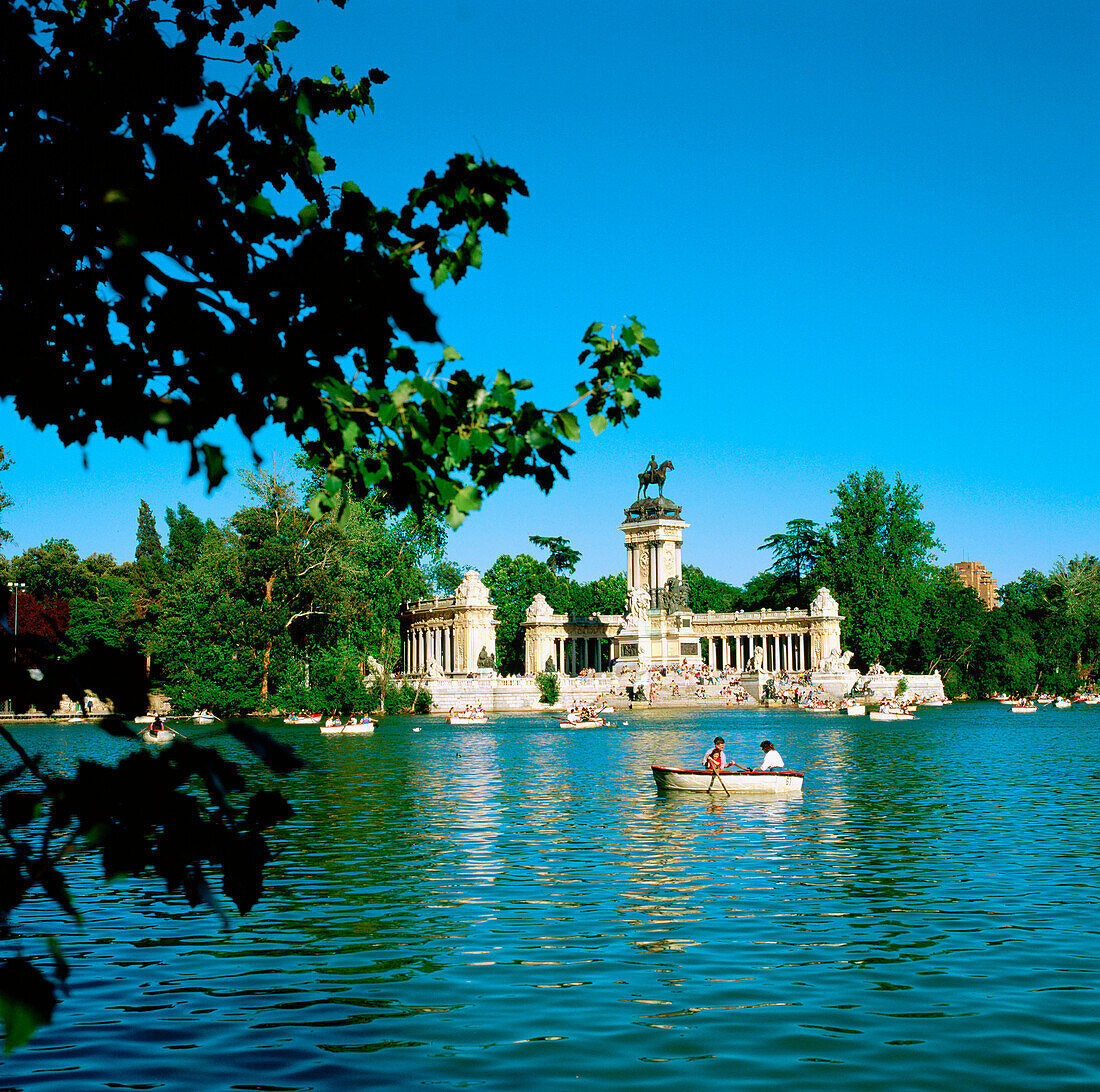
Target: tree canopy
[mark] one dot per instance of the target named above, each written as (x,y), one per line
(878,557)
(181,257)
(562,557)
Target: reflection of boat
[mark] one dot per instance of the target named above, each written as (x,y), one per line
(352,728)
(302,718)
(747,781)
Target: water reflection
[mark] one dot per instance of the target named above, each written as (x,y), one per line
(519,905)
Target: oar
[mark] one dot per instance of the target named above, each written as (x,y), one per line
(717,773)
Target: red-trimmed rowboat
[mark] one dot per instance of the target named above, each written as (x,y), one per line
(732,781)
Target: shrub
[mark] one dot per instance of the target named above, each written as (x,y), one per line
(549,688)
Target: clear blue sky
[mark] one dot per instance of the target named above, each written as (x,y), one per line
(862,233)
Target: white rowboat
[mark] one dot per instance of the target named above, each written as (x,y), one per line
(359,728)
(752,782)
(879,714)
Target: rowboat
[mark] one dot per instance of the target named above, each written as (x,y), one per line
(1024,707)
(591,722)
(741,781)
(203,718)
(467,718)
(1062,703)
(165,735)
(302,718)
(355,728)
(855,709)
(890,712)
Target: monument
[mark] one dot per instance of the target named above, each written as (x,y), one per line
(656,630)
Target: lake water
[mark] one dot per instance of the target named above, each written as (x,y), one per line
(515,905)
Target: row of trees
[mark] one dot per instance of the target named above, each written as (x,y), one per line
(284,609)
(903,610)
(278,608)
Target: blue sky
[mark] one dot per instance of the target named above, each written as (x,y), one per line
(863,235)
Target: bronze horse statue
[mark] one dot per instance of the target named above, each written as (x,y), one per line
(654,475)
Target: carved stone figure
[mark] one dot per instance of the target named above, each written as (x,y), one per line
(674,595)
(549,665)
(824,605)
(759,660)
(539,608)
(637,606)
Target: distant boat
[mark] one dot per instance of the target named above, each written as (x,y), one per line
(741,782)
(302,718)
(1024,707)
(1062,703)
(590,722)
(855,709)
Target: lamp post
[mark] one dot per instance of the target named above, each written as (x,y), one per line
(16,586)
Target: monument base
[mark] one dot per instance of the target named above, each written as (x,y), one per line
(754,683)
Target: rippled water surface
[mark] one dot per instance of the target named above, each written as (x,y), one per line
(515,905)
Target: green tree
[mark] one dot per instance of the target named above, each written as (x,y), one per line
(5,501)
(563,558)
(604,595)
(709,593)
(513,582)
(797,554)
(181,258)
(879,557)
(55,570)
(185,536)
(953,619)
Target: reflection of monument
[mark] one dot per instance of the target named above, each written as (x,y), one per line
(657,628)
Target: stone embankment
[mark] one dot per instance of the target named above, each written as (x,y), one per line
(504,694)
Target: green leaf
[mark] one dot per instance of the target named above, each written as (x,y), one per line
(566,424)
(598,423)
(27,1001)
(308,216)
(316,161)
(260,204)
(284,31)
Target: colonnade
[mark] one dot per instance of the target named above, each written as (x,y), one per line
(572,655)
(782,651)
(423,644)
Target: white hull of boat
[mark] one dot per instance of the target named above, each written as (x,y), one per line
(1024,708)
(157,737)
(302,720)
(755,782)
(599,722)
(1062,703)
(468,720)
(855,709)
(878,714)
(347,729)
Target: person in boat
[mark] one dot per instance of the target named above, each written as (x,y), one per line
(715,759)
(158,726)
(773,760)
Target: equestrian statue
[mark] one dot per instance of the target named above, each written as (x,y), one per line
(654,475)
